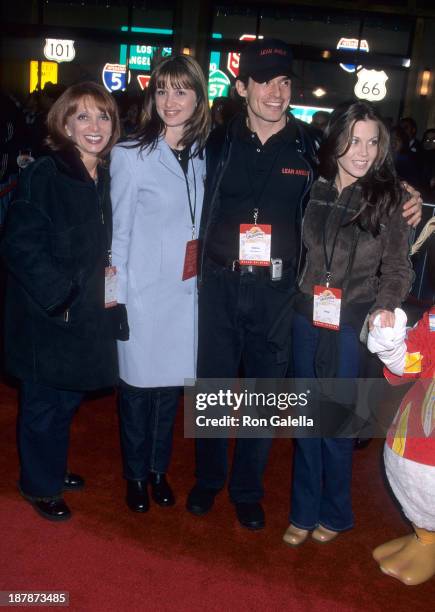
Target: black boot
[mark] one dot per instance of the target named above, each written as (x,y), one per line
(73,482)
(52,507)
(161,492)
(137,496)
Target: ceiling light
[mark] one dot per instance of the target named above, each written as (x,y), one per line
(319,92)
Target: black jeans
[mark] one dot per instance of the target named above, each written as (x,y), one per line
(236,312)
(44,421)
(146,418)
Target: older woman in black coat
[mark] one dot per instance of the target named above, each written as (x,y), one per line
(58,334)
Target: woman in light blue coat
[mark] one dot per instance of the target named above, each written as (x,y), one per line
(157,192)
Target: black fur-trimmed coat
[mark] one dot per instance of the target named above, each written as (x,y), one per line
(58,231)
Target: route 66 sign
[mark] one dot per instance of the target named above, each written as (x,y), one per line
(371,85)
(59,50)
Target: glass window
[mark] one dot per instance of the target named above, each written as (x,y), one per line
(308,26)
(100,14)
(234,21)
(316,27)
(388,35)
(337,84)
(93,60)
(19,11)
(154,14)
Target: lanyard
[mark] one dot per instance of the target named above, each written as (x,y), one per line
(328,260)
(101,188)
(257,199)
(192,210)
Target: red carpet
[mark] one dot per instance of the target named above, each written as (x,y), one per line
(111,559)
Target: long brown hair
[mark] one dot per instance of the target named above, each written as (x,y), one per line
(67,104)
(381,190)
(180,72)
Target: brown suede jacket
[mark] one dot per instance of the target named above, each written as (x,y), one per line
(381,270)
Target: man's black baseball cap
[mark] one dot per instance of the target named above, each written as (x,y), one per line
(265,59)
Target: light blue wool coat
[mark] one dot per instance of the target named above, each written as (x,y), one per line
(151,226)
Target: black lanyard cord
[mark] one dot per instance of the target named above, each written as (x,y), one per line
(258,199)
(192,210)
(328,260)
(101,189)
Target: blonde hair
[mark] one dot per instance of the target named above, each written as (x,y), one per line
(425,234)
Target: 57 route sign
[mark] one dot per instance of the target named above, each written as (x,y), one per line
(218,85)
(115,77)
(234,58)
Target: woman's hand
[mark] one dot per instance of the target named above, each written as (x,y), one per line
(413,207)
(386,318)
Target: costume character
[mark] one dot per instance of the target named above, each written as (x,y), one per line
(409,452)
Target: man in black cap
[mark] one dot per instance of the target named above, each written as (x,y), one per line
(259,172)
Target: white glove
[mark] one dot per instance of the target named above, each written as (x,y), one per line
(389,342)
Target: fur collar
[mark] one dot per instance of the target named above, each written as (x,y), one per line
(68,162)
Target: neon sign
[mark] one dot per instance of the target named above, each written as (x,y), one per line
(140,55)
(49,72)
(352,44)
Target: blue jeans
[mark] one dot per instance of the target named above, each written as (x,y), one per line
(43,426)
(322,467)
(146,419)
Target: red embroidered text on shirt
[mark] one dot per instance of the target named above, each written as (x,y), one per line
(277,51)
(295,171)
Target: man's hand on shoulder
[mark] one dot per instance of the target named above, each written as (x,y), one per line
(412,209)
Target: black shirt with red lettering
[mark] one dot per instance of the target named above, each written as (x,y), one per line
(271,177)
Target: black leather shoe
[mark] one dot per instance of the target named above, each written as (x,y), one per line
(161,492)
(137,496)
(200,500)
(250,515)
(73,482)
(51,508)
